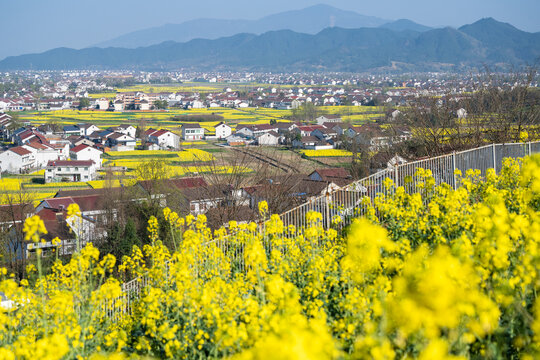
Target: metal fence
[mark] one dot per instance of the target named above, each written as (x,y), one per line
(349,201)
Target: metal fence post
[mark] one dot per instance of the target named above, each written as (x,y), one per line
(396,175)
(327,203)
(530,149)
(454,169)
(494,158)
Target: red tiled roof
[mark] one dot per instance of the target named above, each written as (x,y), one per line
(78,148)
(89,202)
(47,214)
(310,127)
(182,183)
(159,133)
(70,163)
(150,132)
(19,150)
(333,173)
(58,203)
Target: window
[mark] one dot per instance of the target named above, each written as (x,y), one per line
(85,169)
(76,169)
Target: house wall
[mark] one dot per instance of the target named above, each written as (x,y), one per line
(222,131)
(193,134)
(14,163)
(88,154)
(72,173)
(268,139)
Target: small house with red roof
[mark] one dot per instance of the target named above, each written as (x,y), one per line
(164,139)
(85,152)
(16,160)
(43,153)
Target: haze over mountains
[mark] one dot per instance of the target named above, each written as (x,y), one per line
(398,46)
(310,20)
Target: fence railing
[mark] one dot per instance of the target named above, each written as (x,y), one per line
(348,202)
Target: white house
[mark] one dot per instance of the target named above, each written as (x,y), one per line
(144,105)
(462,113)
(103,104)
(121,142)
(328,119)
(118,105)
(126,129)
(197,104)
(191,132)
(235,140)
(222,130)
(165,139)
(43,153)
(5,123)
(85,152)
(61,147)
(66,170)
(16,160)
(72,130)
(87,129)
(244,130)
(270,138)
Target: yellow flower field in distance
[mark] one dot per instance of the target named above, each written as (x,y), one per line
(326,153)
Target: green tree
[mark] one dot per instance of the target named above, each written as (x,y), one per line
(129,239)
(160,104)
(83,103)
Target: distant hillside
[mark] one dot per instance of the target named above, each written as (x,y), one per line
(504,42)
(405,24)
(333,49)
(310,20)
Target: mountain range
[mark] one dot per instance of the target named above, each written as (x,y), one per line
(393,46)
(310,20)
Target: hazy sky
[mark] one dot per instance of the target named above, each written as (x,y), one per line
(39,25)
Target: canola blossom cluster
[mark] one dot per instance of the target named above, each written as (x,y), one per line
(434,273)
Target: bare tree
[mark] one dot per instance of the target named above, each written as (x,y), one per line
(18,205)
(248,175)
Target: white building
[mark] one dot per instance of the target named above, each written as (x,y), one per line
(118,105)
(87,129)
(66,170)
(197,104)
(85,152)
(270,138)
(121,142)
(103,104)
(42,153)
(144,105)
(16,160)
(328,119)
(222,130)
(128,130)
(462,113)
(165,139)
(192,132)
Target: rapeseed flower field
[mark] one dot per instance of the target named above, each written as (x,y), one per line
(326,153)
(433,273)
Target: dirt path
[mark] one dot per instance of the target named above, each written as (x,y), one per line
(252,152)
